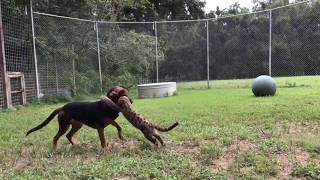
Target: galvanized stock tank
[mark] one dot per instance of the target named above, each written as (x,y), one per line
(152,90)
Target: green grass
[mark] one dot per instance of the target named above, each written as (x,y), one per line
(224,132)
(310,171)
(298,81)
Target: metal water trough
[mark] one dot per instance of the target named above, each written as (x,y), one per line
(152,90)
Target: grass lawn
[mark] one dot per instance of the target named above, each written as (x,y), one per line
(224,132)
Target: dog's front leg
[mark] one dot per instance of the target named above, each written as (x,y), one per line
(119,129)
(101,137)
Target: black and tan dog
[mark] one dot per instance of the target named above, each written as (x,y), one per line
(97,115)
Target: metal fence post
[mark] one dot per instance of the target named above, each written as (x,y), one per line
(47,80)
(270,42)
(98,50)
(56,72)
(208,55)
(73,69)
(34,52)
(156,38)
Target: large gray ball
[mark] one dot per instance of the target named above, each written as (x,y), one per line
(264,86)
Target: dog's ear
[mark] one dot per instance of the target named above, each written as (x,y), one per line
(123,92)
(109,93)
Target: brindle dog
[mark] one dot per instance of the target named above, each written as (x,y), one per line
(150,130)
(97,115)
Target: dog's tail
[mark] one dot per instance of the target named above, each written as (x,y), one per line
(45,122)
(166,129)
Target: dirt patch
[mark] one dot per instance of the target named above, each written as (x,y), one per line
(301,157)
(120,146)
(231,153)
(185,148)
(113,146)
(297,127)
(281,129)
(83,153)
(27,149)
(304,127)
(124,178)
(23,161)
(287,161)
(224,162)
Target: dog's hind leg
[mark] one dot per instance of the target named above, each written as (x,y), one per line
(64,124)
(76,125)
(159,138)
(151,138)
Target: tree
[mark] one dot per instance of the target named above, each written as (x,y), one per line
(123,10)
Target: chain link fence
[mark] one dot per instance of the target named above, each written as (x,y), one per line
(183,48)
(239,46)
(17,36)
(76,56)
(296,41)
(67,55)
(127,52)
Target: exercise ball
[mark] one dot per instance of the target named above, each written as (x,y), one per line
(264,86)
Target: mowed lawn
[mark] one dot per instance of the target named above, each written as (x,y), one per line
(224,133)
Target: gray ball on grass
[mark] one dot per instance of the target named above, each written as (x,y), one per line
(264,86)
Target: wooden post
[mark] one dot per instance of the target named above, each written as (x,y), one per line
(23,89)
(3,69)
